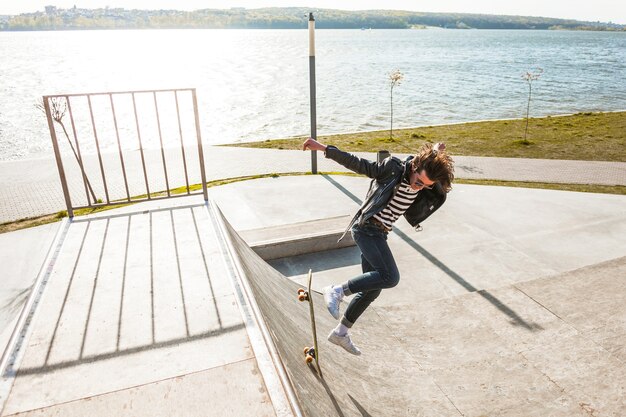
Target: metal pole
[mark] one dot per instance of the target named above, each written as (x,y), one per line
(143,159)
(119,146)
(57,155)
(312,88)
(95,135)
(80,158)
(200,150)
(158,120)
(182,144)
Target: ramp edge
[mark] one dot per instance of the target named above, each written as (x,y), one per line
(14,352)
(271,366)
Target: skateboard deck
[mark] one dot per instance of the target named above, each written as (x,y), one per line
(311,353)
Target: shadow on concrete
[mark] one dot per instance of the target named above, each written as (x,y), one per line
(359,407)
(329,392)
(16,302)
(71,304)
(130,351)
(333,259)
(516,319)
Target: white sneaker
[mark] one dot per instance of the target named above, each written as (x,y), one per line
(344,341)
(332,299)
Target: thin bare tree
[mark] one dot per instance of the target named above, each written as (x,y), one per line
(529,77)
(395,78)
(58,108)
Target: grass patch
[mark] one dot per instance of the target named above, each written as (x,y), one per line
(581,188)
(583,136)
(30,222)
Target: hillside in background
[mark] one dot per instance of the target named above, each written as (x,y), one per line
(279,18)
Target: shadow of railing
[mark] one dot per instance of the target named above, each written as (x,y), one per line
(165,248)
(516,318)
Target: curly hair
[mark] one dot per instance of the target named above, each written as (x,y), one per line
(438,165)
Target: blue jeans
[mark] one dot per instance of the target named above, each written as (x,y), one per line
(379,270)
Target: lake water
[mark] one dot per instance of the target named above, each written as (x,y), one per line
(253,84)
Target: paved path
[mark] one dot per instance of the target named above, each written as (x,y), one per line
(32,188)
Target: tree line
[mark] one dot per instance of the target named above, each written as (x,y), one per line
(280,18)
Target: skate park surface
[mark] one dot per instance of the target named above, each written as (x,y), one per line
(511,303)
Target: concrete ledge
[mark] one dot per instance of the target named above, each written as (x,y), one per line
(299,238)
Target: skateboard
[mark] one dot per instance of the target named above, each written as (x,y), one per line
(310,353)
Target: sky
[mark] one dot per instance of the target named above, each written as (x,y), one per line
(602,10)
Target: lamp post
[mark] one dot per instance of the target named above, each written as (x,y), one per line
(312,89)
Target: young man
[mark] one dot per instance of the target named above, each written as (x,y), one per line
(415,188)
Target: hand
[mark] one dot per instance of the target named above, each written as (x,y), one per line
(313,145)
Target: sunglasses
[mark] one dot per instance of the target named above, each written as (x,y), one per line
(419,182)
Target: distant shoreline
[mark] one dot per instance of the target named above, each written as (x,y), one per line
(54,18)
(210,28)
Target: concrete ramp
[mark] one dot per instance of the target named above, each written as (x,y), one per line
(138,317)
(385,381)
(546,347)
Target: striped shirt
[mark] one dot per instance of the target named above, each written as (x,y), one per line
(397,205)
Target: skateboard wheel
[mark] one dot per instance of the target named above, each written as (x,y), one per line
(302,297)
(306,350)
(301,290)
(309,358)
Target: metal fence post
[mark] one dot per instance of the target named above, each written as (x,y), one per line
(200,151)
(57,155)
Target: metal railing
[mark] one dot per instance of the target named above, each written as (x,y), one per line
(162,104)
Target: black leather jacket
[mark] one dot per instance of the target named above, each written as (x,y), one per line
(386,178)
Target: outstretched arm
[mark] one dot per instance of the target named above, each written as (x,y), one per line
(352,162)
